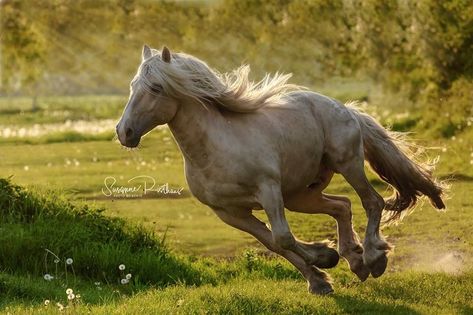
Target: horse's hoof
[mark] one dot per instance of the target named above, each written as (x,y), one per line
(378,267)
(328,259)
(362,272)
(320,289)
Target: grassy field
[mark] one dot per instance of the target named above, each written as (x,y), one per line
(205,265)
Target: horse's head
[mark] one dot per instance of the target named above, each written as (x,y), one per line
(148,105)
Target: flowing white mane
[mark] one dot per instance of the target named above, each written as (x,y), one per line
(188,76)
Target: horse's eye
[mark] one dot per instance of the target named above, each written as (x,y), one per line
(156,88)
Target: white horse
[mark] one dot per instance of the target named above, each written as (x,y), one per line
(272,145)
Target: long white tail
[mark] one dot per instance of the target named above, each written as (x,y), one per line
(389,155)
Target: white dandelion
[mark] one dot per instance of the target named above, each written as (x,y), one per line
(124,281)
(121,267)
(48,277)
(69,261)
(71,296)
(60,306)
(46,302)
(69,291)
(128,276)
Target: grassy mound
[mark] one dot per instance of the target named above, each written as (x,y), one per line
(33,224)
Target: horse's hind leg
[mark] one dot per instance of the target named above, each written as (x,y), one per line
(375,247)
(312,200)
(344,153)
(318,281)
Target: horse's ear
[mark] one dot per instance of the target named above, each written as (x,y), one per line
(166,55)
(146,52)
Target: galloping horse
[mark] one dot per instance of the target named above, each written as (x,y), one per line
(272,145)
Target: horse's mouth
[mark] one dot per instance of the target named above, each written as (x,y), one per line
(131,142)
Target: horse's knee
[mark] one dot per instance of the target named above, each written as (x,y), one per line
(284,240)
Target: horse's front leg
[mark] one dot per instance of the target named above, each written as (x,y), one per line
(317,280)
(271,200)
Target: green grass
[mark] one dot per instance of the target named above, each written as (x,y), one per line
(65,136)
(164,282)
(59,109)
(33,223)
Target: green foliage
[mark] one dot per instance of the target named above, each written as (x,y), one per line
(22,47)
(419,47)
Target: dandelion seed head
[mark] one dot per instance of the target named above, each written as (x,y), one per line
(71,296)
(48,277)
(124,281)
(69,291)
(128,276)
(60,306)
(69,261)
(46,302)
(56,261)
(121,267)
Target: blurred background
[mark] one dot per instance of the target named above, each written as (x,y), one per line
(66,67)
(420,50)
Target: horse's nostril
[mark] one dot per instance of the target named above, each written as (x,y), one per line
(129,132)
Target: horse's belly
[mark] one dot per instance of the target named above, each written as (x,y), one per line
(300,172)
(222,193)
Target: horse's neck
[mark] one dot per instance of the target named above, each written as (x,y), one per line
(192,128)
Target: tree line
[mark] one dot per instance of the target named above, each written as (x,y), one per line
(422,49)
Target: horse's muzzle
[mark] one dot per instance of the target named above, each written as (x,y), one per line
(128,137)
